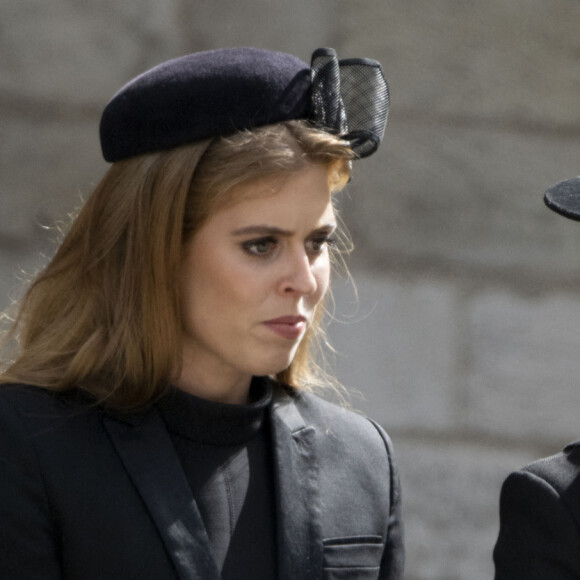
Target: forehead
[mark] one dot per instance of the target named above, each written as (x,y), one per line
(299,198)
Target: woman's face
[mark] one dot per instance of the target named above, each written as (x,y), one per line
(252,278)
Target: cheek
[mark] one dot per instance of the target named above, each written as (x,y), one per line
(203,287)
(228,285)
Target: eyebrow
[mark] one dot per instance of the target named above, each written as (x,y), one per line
(263,230)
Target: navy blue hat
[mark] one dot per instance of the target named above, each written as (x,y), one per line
(564,198)
(216,93)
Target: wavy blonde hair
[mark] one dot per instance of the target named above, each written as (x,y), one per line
(104,315)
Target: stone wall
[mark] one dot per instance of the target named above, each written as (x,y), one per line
(465,336)
(467,323)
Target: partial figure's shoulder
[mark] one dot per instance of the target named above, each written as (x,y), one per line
(560,471)
(539,520)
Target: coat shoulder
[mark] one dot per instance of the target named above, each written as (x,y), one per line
(560,471)
(25,398)
(32,405)
(23,404)
(37,418)
(356,470)
(344,427)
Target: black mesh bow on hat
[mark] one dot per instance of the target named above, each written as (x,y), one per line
(350,98)
(216,93)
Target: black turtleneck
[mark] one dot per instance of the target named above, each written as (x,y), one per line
(225,452)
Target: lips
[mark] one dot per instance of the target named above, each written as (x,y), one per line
(290,327)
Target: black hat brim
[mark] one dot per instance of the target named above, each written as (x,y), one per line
(564,198)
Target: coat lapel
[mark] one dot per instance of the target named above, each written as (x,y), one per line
(149,457)
(297,497)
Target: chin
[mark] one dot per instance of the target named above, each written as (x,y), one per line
(271,361)
(270,370)
(273,367)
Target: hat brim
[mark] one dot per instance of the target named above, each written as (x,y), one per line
(564,198)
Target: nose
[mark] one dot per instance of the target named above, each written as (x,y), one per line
(300,277)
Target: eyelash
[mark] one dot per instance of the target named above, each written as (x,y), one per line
(328,240)
(250,246)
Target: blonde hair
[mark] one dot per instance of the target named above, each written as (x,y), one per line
(104,315)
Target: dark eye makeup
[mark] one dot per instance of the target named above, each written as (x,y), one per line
(260,246)
(266,245)
(316,243)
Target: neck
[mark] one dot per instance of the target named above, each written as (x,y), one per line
(220,386)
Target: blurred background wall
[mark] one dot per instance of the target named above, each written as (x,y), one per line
(465,341)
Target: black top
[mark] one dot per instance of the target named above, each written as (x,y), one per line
(225,452)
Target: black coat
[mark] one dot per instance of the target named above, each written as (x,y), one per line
(89,495)
(539,537)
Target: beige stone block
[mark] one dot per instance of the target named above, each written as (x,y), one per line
(525,364)
(463,199)
(76,54)
(516,61)
(450,490)
(298,27)
(396,346)
(46,170)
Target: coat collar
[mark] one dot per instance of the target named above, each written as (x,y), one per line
(145,448)
(148,456)
(297,495)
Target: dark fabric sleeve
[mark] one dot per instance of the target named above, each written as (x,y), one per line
(393,560)
(538,537)
(28,543)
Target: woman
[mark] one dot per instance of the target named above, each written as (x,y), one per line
(539,536)
(157,421)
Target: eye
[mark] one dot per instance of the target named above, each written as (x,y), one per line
(316,244)
(261,247)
